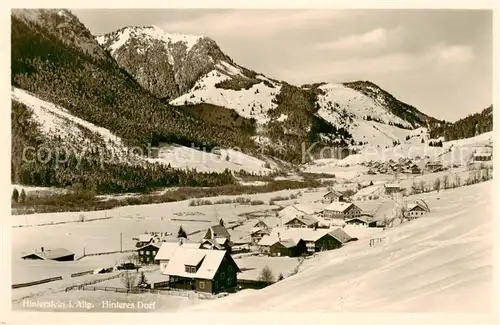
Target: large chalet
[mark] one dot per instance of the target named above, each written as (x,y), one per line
(210,271)
(341,210)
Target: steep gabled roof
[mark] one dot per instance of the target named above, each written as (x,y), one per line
(52,254)
(307,220)
(334,192)
(157,245)
(340,235)
(338,206)
(167,250)
(219,231)
(210,262)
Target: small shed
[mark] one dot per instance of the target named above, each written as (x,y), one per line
(57,254)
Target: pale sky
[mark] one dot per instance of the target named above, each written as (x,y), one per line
(439,61)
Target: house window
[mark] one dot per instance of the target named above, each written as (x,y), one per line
(222,275)
(228,281)
(147,259)
(202,285)
(141,252)
(190,269)
(153,252)
(147,252)
(230,268)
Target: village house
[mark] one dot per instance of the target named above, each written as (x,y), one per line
(219,234)
(167,250)
(434,166)
(283,248)
(144,239)
(257,233)
(415,169)
(261,224)
(307,240)
(362,220)
(302,222)
(482,156)
(416,210)
(333,196)
(202,270)
(57,254)
(217,243)
(148,253)
(341,210)
(341,235)
(392,188)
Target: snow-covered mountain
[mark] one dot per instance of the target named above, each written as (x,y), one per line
(193,70)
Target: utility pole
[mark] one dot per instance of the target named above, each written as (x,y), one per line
(121,242)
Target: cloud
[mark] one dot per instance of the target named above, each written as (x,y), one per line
(448,58)
(375,38)
(454,54)
(254,22)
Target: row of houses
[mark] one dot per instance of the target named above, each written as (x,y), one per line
(217,237)
(302,241)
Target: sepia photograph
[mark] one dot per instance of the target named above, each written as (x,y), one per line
(251,161)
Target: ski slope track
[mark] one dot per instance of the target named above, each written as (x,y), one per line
(442,262)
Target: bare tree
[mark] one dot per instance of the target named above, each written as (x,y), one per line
(422,186)
(129,279)
(457,180)
(437,184)
(446,182)
(414,188)
(266,275)
(132,258)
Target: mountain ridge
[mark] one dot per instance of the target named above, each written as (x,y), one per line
(203,99)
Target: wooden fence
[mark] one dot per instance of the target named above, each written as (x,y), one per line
(89,283)
(74,275)
(28,284)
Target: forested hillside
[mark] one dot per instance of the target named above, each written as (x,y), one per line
(467,127)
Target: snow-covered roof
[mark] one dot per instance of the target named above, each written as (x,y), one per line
(412,206)
(168,249)
(221,240)
(218,231)
(51,254)
(365,219)
(296,234)
(288,243)
(333,192)
(338,206)
(306,219)
(256,230)
(482,154)
(157,245)
(145,238)
(340,235)
(268,240)
(210,262)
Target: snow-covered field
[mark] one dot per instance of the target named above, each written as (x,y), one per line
(252,266)
(433,264)
(184,157)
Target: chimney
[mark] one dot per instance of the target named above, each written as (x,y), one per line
(41,249)
(180,241)
(279,237)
